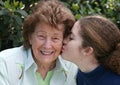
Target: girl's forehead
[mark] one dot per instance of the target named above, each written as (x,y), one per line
(76,28)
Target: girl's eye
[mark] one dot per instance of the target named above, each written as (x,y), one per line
(70,38)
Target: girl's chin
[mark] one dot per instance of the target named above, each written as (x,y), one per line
(63,56)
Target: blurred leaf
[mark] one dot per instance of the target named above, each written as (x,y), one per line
(17,20)
(77,16)
(1,3)
(75,6)
(4,12)
(22,12)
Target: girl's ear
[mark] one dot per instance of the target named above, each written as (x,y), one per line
(88,51)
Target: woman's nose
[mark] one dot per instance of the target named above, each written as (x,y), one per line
(48,44)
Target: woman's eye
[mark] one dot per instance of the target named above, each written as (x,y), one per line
(41,36)
(56,39)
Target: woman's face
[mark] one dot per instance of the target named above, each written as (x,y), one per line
(46,43)
(72,48)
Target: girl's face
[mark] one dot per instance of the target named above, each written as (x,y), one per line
(72,48)
(46,43)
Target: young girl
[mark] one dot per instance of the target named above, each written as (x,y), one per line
(94,46)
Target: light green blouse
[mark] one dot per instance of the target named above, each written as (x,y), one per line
(46,81)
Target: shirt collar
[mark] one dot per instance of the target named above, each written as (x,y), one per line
(60,65)
(29,61)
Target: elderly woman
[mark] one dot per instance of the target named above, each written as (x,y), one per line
(94,46)
(37,62)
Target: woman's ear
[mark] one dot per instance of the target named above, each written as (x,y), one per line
(30,41)
(88,51)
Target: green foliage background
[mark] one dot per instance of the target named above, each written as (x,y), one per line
(13,12)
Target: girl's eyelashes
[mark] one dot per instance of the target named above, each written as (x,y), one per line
(70,37)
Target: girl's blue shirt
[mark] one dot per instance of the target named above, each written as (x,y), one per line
(99,76)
